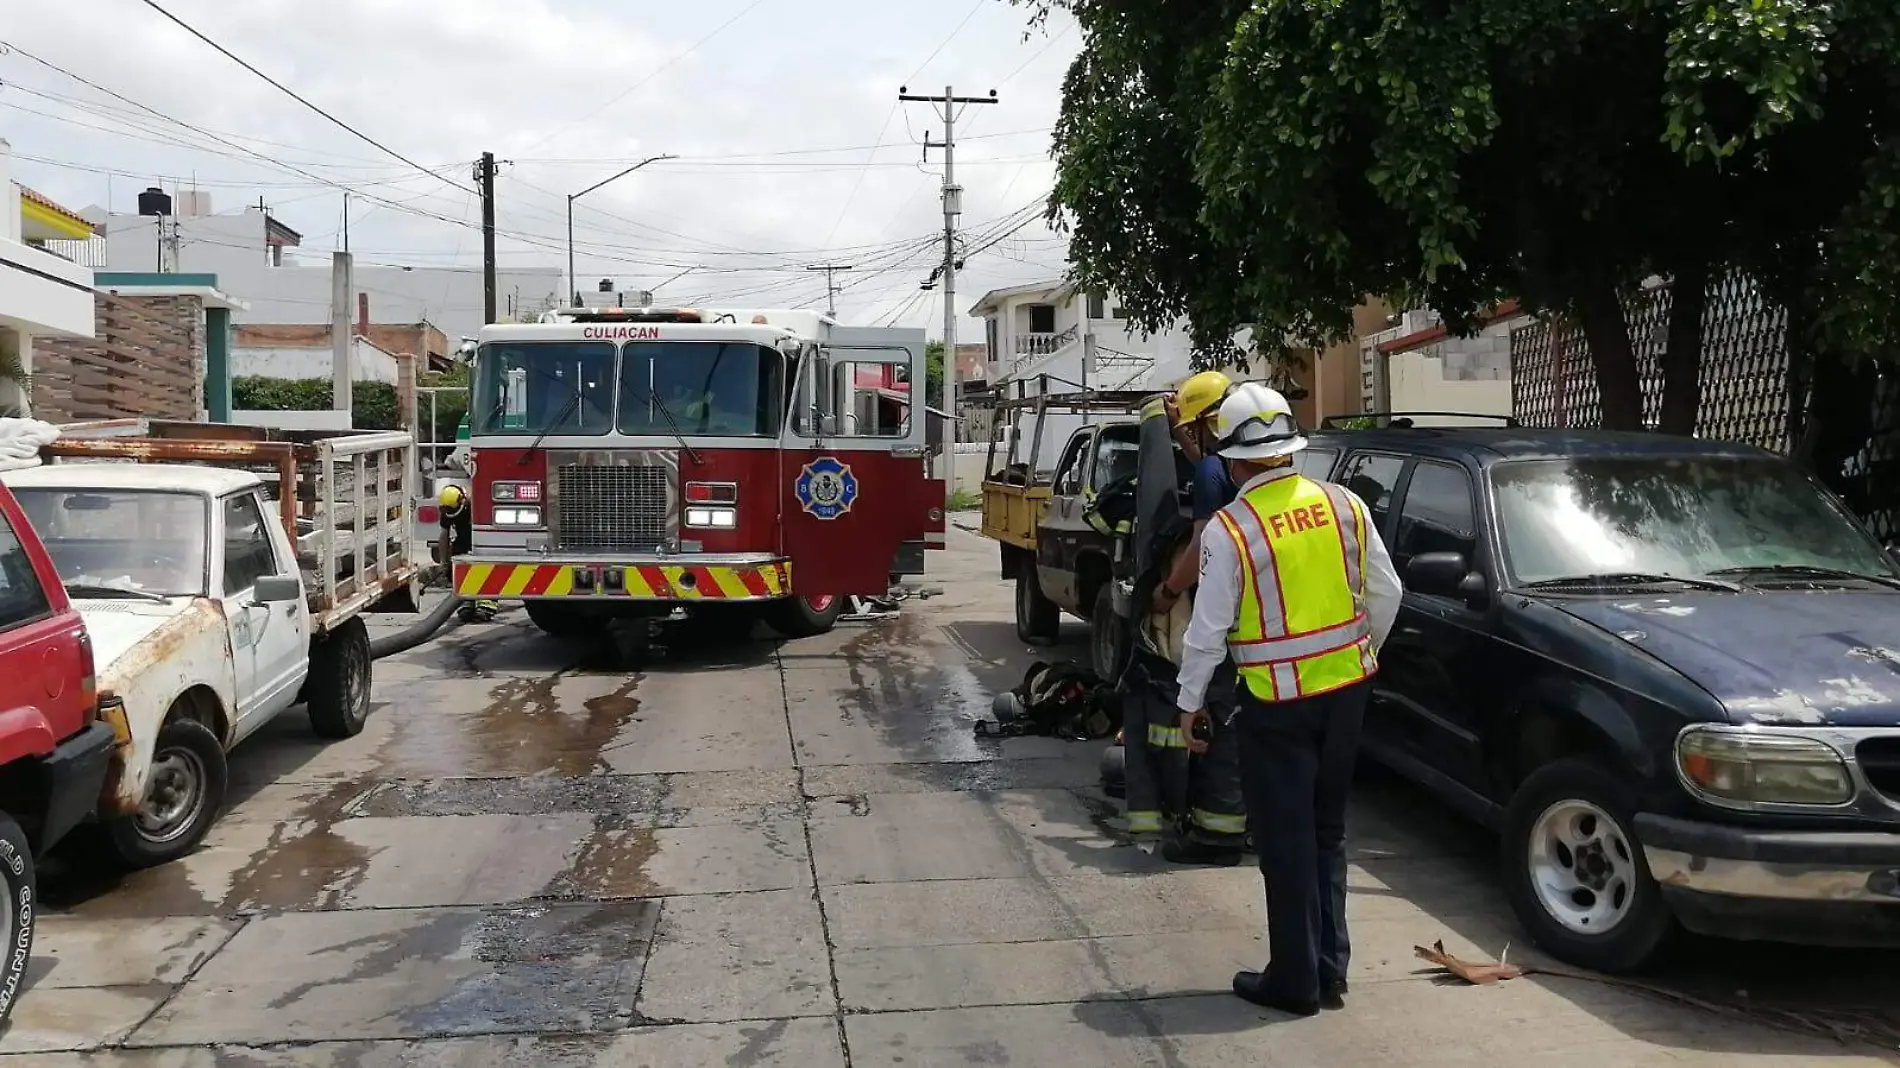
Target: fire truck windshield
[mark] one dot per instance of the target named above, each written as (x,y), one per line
(722,388)
(524,387)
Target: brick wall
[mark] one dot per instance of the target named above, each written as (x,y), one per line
(146,357)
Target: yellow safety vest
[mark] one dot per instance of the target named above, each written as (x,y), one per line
(1302,627)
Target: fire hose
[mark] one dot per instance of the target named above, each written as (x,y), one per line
(443,615)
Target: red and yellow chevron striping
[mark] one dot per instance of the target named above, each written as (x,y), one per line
(651,582)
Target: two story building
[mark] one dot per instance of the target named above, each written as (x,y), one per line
(42,295)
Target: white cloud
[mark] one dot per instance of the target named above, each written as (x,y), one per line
(441,80)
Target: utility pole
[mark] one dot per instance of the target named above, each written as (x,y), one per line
(485,182)
(342,333)
(831,288)
(952,207)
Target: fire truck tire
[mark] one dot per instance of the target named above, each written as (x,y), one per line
(804,617)
(1038,620)
(20,884)
(560,621)
(338,688)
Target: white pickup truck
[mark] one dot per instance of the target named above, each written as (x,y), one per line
(208,616)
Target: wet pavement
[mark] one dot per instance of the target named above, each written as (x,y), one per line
(747,853)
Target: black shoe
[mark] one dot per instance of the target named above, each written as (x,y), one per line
(1332,995)
(1252,986)
(1189,851)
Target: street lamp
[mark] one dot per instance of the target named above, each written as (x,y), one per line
(573,290)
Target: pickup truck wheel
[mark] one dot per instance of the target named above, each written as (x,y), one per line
(1038,620)
(1575,873)
(17,912)
(183,792)
(1108,649)
(339,681)
(804,617)
(560,621)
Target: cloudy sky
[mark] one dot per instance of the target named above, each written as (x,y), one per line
(793,148)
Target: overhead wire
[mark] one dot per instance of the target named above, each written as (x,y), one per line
(299,98)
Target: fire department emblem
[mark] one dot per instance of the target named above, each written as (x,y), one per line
(826,488)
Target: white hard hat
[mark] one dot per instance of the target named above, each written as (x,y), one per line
(1256,423)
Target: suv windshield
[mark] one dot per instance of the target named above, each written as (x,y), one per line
(728,388)
(1654,515)
(527,387)
(141,541)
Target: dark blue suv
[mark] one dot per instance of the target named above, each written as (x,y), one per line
(1666,670)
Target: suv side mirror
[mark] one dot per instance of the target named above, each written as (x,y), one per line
(1445,574)
(275,589)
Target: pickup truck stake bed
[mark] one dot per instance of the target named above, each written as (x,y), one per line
(1667,670)
(207,617)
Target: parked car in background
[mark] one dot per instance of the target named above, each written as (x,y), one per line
(1666,670)
(54,747)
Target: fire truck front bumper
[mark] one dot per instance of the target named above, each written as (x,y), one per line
(701,577)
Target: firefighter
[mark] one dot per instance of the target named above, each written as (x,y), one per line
(1296,585)
(458,534)
(1201,792)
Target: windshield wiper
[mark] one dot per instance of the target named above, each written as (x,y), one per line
(560,417)
(668,416)
(100,589)
(1808,570)
(1629,578)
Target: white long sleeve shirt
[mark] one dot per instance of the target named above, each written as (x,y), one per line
(1218,600)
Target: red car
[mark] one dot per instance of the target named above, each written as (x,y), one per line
(55,747)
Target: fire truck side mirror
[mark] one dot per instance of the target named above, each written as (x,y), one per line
(465,352)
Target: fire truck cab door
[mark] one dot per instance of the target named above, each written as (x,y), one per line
(854,485)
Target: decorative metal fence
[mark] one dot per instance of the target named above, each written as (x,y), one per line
(1745,394)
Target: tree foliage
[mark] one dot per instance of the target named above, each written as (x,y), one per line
(373,405)
(1272,162)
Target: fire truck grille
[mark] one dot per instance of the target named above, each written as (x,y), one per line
(611,509)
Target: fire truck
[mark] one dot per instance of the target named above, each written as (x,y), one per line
(635,462)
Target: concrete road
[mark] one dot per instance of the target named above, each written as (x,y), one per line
(799,856)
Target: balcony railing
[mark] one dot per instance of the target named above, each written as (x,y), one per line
(86,252)
(1043,344)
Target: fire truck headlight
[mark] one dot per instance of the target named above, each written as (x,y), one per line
(715,518)
(517,517)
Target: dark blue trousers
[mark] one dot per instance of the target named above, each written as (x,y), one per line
(1296,763)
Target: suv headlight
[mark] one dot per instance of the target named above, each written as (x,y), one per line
(1762,768)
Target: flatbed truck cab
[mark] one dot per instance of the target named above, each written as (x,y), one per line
(633,462)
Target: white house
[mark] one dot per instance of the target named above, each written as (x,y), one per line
(256,260)
(41,294)
(1078,340)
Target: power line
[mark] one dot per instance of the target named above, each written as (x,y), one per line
(287,91)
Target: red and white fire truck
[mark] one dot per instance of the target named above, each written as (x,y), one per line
(629,462)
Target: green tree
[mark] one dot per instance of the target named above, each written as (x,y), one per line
(933,370)
(1272,162)
(372,404)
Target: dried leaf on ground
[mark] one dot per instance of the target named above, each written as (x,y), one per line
(1480,973)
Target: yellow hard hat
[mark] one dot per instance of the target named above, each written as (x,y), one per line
(451,498)
(1197,395)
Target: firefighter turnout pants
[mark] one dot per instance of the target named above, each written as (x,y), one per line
(1169,788)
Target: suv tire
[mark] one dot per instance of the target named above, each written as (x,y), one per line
(19,881)
(1571,861)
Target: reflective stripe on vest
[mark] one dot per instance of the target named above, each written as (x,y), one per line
(1302,627)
